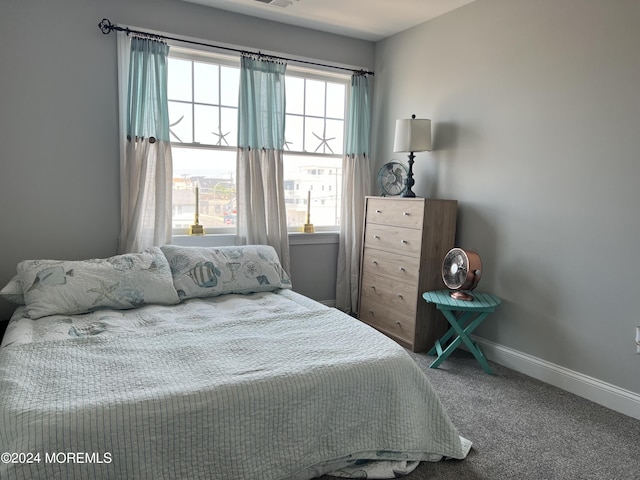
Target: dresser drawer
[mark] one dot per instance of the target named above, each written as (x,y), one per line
(399,213)
(402,296)
(396,239)
(387,319)
(391,265)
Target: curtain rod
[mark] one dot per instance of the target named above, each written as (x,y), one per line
(107,27)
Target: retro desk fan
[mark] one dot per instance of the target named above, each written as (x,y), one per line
(461,272)
(391,179)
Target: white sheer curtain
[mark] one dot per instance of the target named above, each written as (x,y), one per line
(146,167)
(356,184)
(260,190)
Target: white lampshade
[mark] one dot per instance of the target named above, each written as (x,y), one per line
(412,135)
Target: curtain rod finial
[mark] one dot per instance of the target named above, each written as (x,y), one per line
(105,26)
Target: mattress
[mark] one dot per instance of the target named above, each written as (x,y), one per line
(268,385)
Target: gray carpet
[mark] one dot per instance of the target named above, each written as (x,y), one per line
(523,429)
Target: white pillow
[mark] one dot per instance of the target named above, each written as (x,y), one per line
(12,292)
(211,271)
(121,282)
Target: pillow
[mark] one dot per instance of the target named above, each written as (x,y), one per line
(210,271)
(120,282)
(12,292)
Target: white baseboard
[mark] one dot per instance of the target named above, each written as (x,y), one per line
(606,394)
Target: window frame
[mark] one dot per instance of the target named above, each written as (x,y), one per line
(319,74)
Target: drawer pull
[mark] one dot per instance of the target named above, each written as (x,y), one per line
(406,214)
(402,269)
(377,237)
(400,295)
(398,323)
(404,242)
(375,262)
(373,287)
(378,211)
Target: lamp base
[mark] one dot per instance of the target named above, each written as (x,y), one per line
(308,228)
(196,229)
(409,181)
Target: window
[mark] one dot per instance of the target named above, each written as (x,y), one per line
(203,113)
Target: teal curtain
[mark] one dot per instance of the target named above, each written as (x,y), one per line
(356,184)
(262,215)
(148,109)
(146,167)
(359,117)
(261,114)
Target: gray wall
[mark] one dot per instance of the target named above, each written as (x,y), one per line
(59,173)
(536,115)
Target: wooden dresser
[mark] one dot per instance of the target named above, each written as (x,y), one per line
(405,241)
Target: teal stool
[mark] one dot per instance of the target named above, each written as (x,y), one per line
(464,317)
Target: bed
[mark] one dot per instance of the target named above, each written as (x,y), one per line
(202,363)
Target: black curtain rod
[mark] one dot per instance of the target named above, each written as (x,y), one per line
(107,27)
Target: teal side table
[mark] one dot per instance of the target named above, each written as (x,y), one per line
(464,317)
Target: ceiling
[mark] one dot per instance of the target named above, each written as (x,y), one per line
(365,19)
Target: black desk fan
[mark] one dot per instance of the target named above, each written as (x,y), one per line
(391,179)
(461,272)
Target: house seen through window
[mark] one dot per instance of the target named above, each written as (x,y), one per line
(203,116)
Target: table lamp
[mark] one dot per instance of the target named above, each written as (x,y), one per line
(412,135)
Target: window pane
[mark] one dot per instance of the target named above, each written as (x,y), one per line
(295,94)
(229,121)
(293,134)
(214,172)
(179,80)
(207,125)
(180,122)
(321,176)
(205,83)
(314,98)
(319,140)
(230,86)
(335,129)
(335,100)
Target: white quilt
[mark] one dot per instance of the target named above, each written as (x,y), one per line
(260,386)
